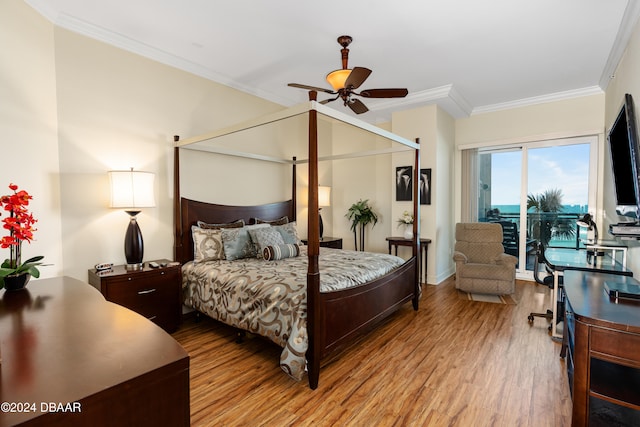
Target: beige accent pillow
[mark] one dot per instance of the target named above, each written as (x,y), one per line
(207,244)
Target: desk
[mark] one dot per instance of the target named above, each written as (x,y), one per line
(602,349)
(607,245)
(424,245)
(560,260)
(62,342)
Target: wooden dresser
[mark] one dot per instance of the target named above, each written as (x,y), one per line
(69,357)
(602,347)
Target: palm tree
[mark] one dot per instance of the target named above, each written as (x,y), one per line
(549,204)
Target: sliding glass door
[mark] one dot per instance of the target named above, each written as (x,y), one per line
(536,191)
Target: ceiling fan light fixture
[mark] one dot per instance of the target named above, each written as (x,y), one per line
(337,78)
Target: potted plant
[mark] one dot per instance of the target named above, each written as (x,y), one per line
(14,274)
(361,214)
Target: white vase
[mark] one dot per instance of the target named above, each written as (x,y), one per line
(408,231)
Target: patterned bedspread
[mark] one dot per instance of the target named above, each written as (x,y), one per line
(269,298)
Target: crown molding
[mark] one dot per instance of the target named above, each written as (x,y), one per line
(120,41)
(552,97)
(627,25)
(447,97)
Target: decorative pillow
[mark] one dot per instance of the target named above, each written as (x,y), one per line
(237,242)
(263,237)
(235,224)
(289,233)
(272,253)
(207,244)
(279,221)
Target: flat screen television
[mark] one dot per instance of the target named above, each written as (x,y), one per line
(625,162)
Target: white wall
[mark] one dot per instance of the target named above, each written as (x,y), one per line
(28,125)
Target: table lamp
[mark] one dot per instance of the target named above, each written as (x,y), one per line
(132,190)
(587,222)
(324,200)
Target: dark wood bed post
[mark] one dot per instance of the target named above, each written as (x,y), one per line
(416,222)
(294,188)
(177,221)
(314,314)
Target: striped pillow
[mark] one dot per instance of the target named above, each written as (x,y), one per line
(276,252)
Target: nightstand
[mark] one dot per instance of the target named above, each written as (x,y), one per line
(328,242)
(151,292)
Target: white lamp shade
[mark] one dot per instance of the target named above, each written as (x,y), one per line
(324,196)
(131,189)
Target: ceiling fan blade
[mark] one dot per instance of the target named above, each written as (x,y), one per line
(384,93)
(357,106)
(317,89)
(357,77)
(326,101)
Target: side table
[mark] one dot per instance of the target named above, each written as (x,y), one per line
(151,292)
(328,242)
(424,245)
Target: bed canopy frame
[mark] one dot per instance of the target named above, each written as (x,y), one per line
(323,324)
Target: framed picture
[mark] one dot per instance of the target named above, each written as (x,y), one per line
(425,186)
(404,183)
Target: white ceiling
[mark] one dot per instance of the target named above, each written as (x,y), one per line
(468,56)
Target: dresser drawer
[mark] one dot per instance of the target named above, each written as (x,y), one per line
(133,289)
(620,344)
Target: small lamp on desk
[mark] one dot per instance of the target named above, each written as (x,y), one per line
(587,222)
(324,200)
(132,190)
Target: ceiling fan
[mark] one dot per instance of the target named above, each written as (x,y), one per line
(345,81)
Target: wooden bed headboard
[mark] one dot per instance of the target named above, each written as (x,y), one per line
(192,211)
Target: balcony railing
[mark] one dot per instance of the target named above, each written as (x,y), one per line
(554,229)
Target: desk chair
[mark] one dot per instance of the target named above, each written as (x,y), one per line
(546,281)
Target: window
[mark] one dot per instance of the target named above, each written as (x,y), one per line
(536,191)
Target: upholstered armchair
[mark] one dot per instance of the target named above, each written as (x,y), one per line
(481,264)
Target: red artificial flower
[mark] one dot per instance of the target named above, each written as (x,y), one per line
(19,222)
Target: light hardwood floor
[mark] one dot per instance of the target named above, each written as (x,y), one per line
(452,363)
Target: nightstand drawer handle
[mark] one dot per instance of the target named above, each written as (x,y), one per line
(148,291)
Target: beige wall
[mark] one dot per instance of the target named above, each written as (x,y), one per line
(582,116)
(360,178)
(77,108)
(28,125)
(119,110)
(575,117)
(560,119)
(436,131)
(624,81)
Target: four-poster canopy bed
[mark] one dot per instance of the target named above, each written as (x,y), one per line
(322,317)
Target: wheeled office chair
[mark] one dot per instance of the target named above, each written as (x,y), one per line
(546,281)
